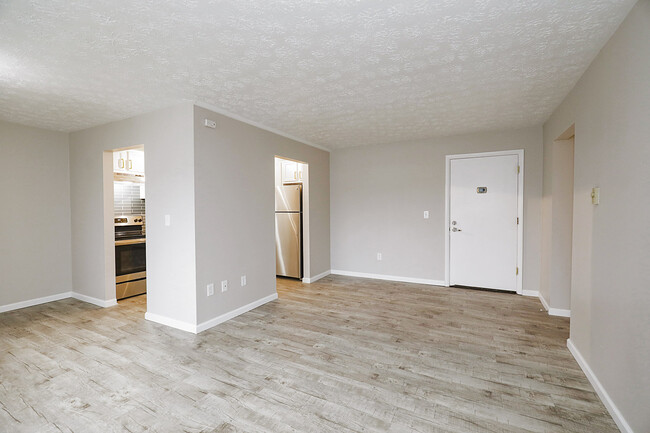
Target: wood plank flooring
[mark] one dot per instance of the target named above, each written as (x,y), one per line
(340,355)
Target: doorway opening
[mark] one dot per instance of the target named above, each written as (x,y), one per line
(557,225)
(484,220)
(124,207)
(291,187)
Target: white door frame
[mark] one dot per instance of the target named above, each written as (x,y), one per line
(520,207)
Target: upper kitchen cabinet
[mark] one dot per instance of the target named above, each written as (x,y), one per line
(135,161)
(129,162)
(291,172)
(119,162)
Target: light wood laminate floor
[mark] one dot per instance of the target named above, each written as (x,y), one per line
(343,354)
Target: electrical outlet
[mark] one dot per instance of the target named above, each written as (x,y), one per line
(224,286)
(243,280)
(210,289)
(379,257)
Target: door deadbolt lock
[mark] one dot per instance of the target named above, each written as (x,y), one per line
(453,223)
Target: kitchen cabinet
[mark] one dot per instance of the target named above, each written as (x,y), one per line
(291,172)
(129,162)
(119,162)
(135,162)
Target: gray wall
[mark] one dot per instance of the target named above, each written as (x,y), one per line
(167,136)
(235,224)
(379,194)
(35,214)
(610,287)
(557,223)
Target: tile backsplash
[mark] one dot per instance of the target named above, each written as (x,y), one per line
(127,199)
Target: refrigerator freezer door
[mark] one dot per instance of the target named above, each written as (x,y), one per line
(287,245)
(287,198)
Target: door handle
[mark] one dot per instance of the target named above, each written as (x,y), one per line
(456,230)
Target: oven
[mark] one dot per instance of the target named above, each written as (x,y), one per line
(130,256)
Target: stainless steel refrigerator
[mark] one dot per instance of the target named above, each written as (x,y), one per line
(288,231)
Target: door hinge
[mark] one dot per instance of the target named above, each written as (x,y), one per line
(517,220)
(518,169)
(517,272)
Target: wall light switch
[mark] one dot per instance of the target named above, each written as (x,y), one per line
(224,286)
(243,280)
(595,196)
(426,214)
(168,220)
(210,289)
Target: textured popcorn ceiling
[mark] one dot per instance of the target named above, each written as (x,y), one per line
(334,73)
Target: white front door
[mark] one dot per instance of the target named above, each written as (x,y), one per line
(483,211)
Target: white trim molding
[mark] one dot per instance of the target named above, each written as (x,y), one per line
(554,311)
(389,278)
(58,297)
(534,293)
(316,277)
(543,301)
(234,313)
(95,301)
(32,302)
(600,390)
(559,312)
(172,323)
(520,210)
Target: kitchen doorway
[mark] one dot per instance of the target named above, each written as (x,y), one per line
(484,220)
(125,237)
(291,187)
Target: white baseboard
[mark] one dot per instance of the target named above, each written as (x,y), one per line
(559,312)
(389,277)
(234,313)
(32,302)
(317,277)
(58,297)
(195,329)
(95,301)
(600,390)
(554,311)
(534,293)
(543,301)
(173,323)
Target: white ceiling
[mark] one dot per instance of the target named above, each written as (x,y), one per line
(335,73)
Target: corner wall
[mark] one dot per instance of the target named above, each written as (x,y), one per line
(35,215)
(167,136)
(235,212)
(610,285)
(557,223)
(379,194)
